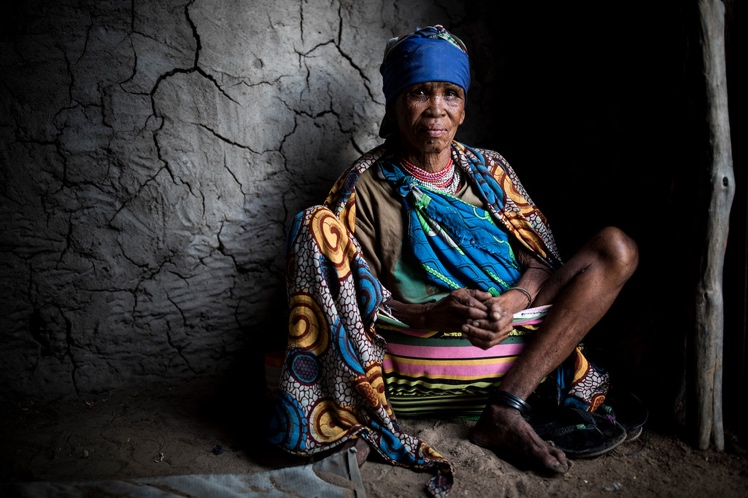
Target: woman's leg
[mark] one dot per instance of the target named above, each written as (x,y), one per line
(581,291)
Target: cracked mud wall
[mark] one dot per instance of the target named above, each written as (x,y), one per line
(151,156)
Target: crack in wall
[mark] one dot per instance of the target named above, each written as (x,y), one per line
(225,139)
(195,34)
(169,338)
(231,172)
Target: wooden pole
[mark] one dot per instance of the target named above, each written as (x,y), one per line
(709,339)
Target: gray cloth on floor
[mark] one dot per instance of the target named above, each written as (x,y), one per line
(336,476)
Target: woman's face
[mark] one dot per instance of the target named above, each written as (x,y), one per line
(428,115)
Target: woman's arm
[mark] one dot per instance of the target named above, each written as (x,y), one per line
(477,309)
(534,275)
(448,314)
(492,330)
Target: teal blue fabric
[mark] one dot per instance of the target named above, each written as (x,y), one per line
(457,244)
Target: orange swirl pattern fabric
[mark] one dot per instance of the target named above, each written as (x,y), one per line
(518,214)
(332,388)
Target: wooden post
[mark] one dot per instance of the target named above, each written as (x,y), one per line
(709,338)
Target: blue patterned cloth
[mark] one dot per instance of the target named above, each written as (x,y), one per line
(457,244)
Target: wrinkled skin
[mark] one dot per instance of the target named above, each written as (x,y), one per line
(427,117)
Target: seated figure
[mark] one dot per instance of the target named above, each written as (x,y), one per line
(425,239)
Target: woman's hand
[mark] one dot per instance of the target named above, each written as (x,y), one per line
(483,319)
(459,307)
(492,329)
(448,314)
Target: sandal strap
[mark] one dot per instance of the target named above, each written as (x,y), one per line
(552,430)
(499,397)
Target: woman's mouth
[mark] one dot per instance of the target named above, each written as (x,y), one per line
(435,132)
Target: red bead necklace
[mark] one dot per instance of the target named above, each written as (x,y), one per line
(446,180)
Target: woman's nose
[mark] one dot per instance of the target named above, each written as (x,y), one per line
(436,105)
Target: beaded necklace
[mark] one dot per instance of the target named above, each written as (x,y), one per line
(446,181)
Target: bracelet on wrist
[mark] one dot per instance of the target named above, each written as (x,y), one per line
(525,292)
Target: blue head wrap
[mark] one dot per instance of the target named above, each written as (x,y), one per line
(429,54)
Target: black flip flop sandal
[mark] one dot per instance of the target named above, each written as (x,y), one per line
(578,433)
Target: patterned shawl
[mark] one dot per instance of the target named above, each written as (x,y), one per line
(332,388)
(498,185)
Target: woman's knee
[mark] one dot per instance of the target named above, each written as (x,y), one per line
(618,248)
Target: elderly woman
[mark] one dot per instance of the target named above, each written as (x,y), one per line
(422,240)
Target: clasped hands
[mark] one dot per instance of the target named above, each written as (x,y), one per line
(483,319)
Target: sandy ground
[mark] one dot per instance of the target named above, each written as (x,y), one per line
(203,430)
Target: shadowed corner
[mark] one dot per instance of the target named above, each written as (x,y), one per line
(240,402)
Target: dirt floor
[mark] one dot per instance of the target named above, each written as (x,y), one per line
(201,430)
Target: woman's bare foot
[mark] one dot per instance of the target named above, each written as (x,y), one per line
(502,429)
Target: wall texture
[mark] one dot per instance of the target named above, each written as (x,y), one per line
(152,154)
